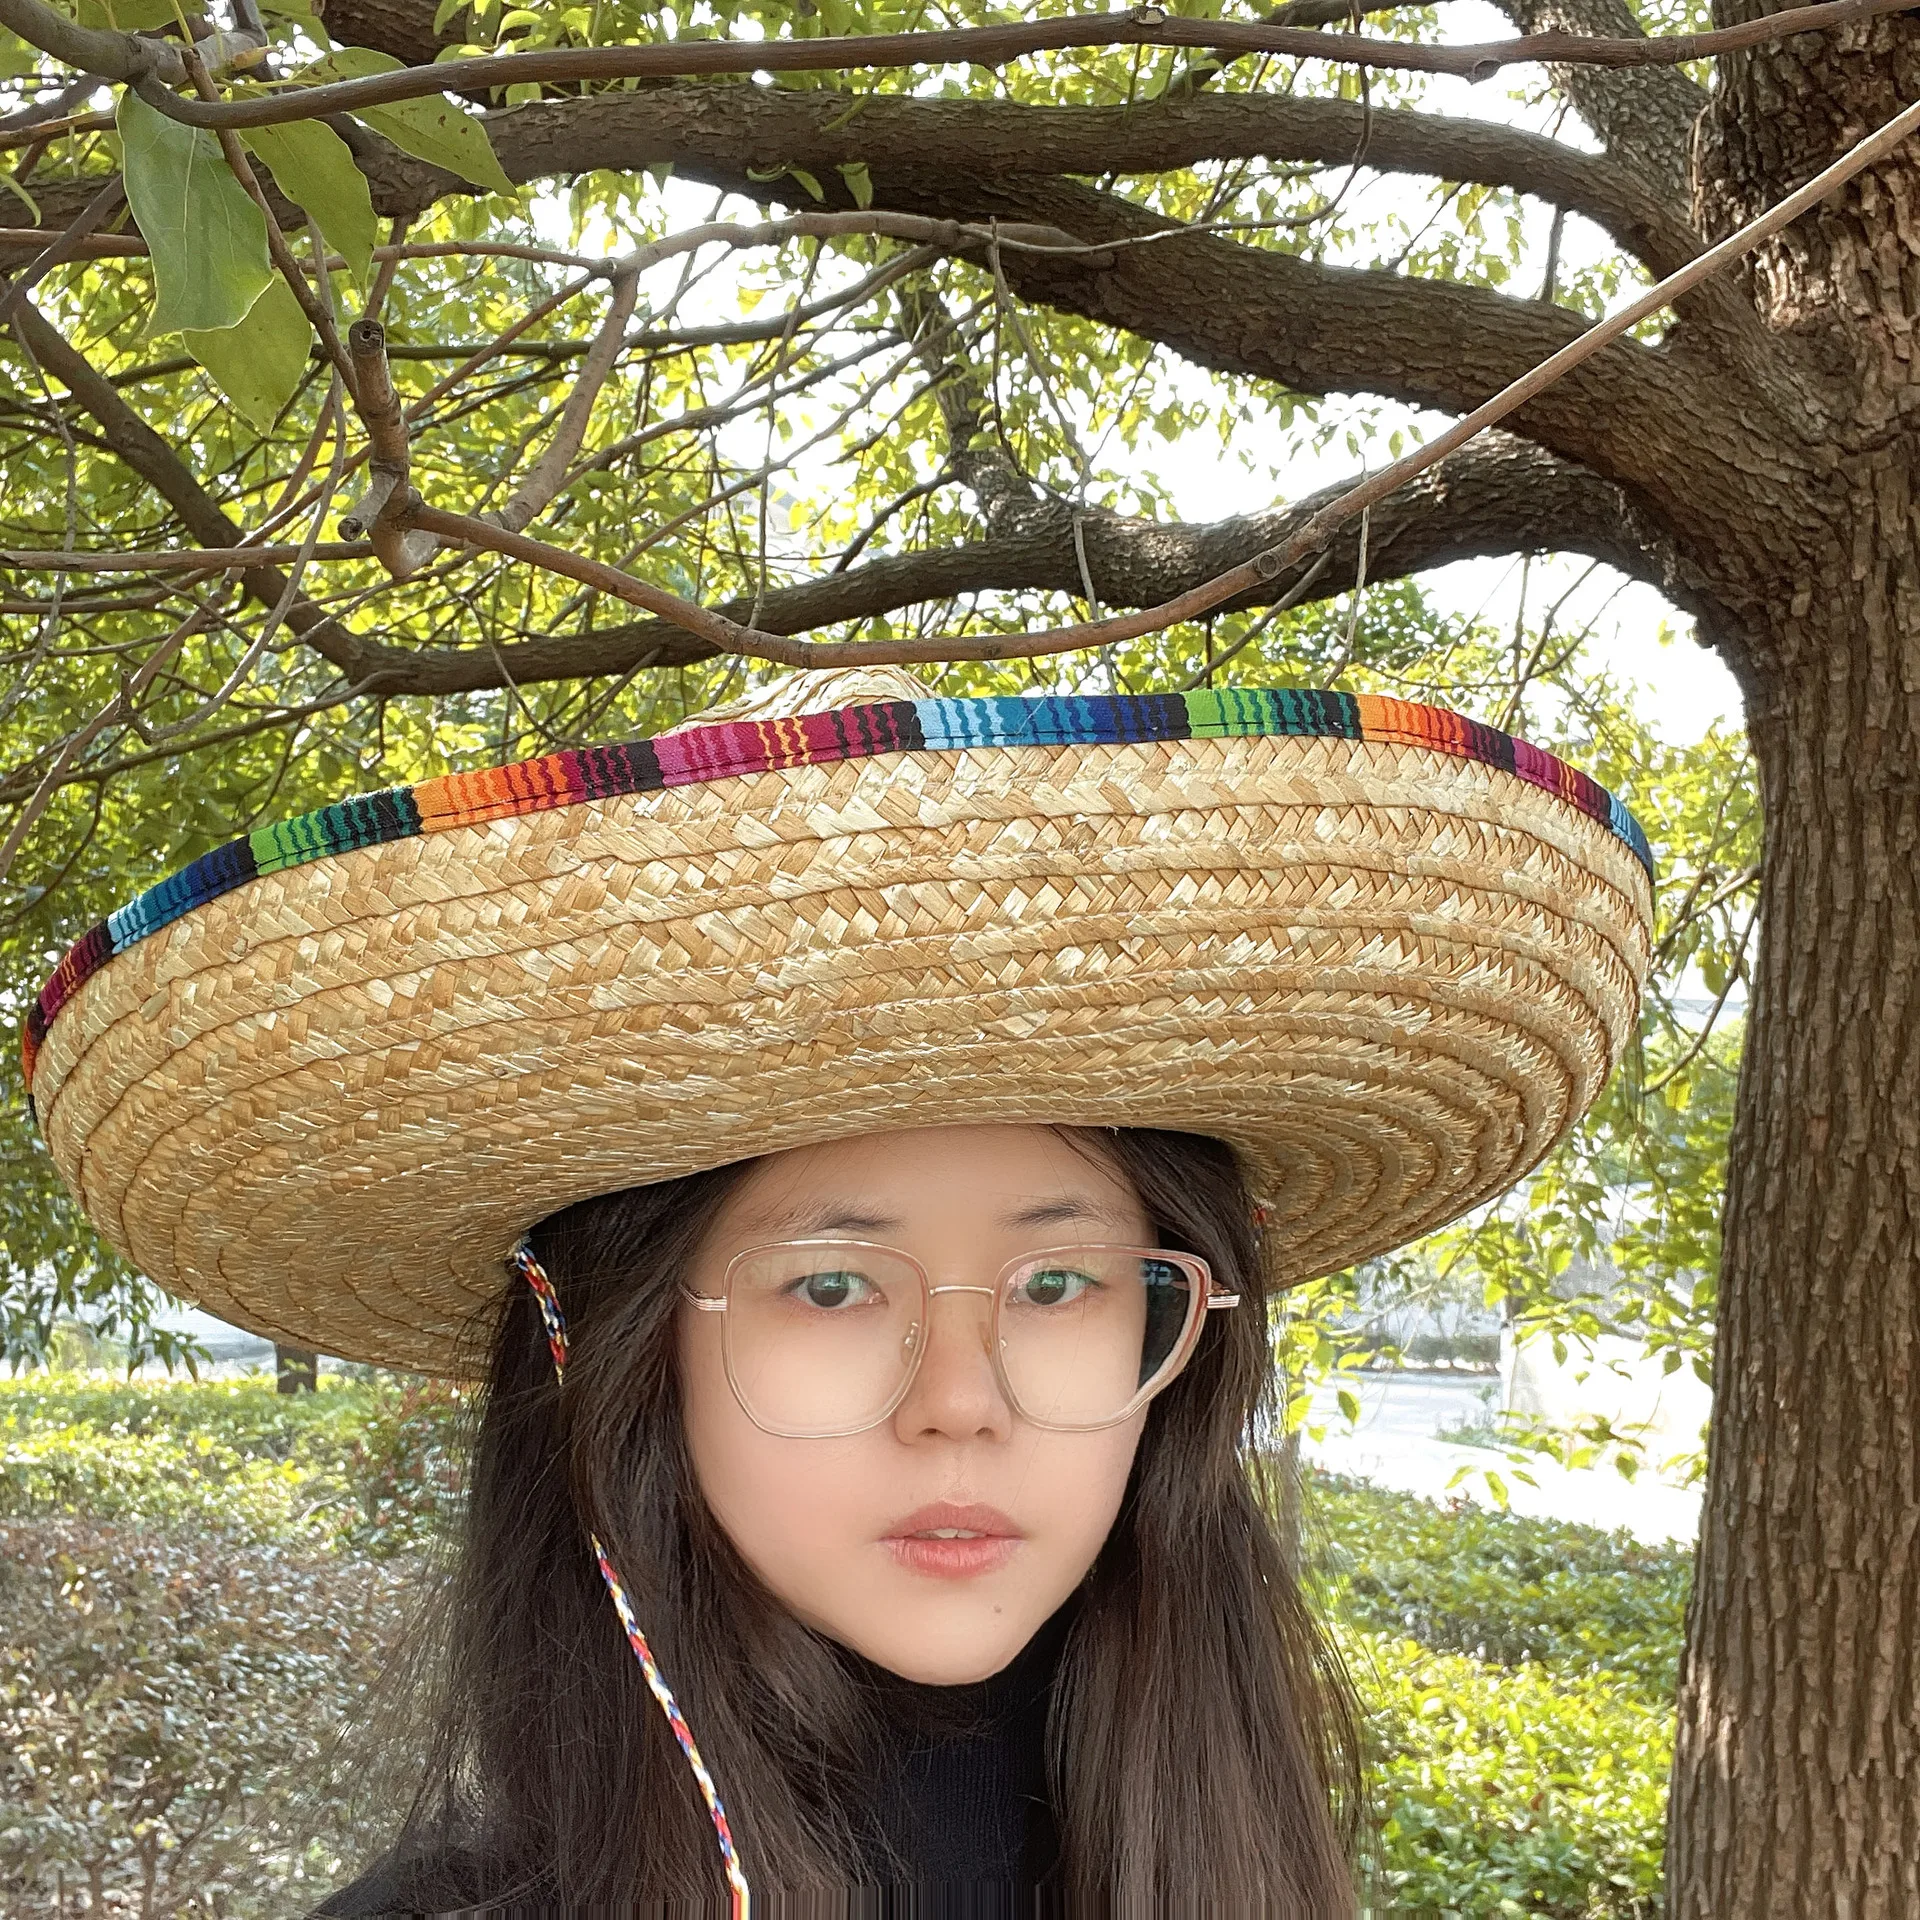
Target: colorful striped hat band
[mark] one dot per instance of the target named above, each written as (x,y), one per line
(525,1262)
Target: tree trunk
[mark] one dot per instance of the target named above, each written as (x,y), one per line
(296,1369)
(1796,1789)
(1797,1777)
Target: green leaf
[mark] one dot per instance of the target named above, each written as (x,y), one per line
(433,129)
(437,131)
(859,182)
(259,363)
(809,181)
(208,240)
(314,167)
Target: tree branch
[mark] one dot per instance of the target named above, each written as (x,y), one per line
(1219,303)
(1496,496)
(1644,116)
(767,129)
(1309,540)
(550,472)
(1316,329)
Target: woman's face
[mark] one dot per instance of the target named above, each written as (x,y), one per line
(836,1528)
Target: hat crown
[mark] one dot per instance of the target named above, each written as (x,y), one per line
(811,690)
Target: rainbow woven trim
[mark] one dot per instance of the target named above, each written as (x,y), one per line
(734,747)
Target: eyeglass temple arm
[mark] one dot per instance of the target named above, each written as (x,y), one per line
(1215,1299)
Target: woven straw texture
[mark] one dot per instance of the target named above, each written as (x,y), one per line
(326,1104)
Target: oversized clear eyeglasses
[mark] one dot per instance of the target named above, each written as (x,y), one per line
(823,1338)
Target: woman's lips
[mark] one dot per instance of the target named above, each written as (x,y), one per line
(952,1542)
(952,1559)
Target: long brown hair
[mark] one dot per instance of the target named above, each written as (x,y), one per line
(1202,1744)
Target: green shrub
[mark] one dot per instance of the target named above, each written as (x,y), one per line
(406,1470)
(1510,1791)
(1516,1674)
(1461,1579)
(371,1467)
(164,1703)
(246,1414)
(156,1478)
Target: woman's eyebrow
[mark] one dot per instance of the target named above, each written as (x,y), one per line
(798,1220)
(1049,1213)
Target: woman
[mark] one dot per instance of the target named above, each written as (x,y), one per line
(871,1100)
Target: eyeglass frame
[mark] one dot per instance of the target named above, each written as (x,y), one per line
(1205,1299)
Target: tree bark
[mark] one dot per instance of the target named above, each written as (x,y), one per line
(296,1369)
(1797,1776)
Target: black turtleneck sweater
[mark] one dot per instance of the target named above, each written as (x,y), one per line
(958,1826)
(961,1799)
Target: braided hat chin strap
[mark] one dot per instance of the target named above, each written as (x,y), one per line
(526,1264)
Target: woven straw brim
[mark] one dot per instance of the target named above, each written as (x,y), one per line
(327,1103)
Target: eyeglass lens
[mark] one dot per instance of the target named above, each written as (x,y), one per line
(821,1337)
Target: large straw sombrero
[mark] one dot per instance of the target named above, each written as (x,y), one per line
(320,1081)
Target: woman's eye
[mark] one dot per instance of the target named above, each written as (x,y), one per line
(1052,1286)
(828,1290)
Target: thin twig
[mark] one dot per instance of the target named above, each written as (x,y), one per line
(1734,973)
(335,411)
(176,560)
(50,621)
(141,61)
(1285,604)
(549,473)
(390,257)
(92,246)
(37,116)
(83,736)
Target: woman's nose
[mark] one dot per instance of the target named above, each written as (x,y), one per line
(955,1393)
